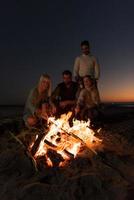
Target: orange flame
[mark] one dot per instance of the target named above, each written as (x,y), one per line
(61,137)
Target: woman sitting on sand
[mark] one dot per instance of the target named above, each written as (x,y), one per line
(38,105)
(88,101)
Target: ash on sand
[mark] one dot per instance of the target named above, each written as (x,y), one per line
(108,175)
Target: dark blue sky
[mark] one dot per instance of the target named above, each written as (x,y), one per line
(45,37)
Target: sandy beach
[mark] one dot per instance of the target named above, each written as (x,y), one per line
(107,175)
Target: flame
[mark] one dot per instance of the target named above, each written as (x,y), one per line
(31,145)
(49,162)
(66,139)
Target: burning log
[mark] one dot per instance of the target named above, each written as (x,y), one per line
(50,144)
(53,147)
(55,157)
(75,137)
(36,145)
(63,139)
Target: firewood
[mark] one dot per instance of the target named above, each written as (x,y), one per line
(36,145)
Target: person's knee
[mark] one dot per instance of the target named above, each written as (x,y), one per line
(31,121)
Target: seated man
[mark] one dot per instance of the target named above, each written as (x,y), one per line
(38,106)
(88,101)
(64,95)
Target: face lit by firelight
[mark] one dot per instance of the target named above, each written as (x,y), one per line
(44,85)
(87,82)
(67,79)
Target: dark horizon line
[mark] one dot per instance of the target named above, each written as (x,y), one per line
(107,102)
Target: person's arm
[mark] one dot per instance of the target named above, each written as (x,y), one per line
(81,98)
(29,104)
(80,102)
(76,68)
(53,106)
(55,96)
(96,97)
(65,103)
(97,69)
(71,102)
(30,108)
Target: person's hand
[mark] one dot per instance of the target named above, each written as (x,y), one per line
(32,121)
(77,110)
(38,112)
(54,109)
(44,116)
(63,104)
(44,113)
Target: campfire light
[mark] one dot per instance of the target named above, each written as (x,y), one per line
(66,139)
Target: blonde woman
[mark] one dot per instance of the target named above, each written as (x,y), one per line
(38,102)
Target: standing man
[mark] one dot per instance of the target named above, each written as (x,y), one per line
(86,64)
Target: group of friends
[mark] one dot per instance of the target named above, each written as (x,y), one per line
(80,96)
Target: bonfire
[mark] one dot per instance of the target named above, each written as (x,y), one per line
(66,140)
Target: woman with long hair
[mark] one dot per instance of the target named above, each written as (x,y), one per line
(38,102)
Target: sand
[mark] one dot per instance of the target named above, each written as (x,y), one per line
(107,175)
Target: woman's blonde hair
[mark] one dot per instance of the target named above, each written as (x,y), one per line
(48,78)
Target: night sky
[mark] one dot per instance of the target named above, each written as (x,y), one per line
(44,37)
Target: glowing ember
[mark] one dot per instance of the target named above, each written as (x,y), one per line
(65,139)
